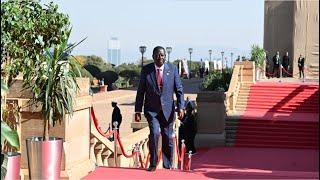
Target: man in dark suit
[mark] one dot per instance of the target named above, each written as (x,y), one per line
(276,65)
(285,64)
(158,82)
(301,66)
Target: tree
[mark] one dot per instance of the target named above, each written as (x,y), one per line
(27,29)
(99,62)
(93,70)
(109,78)
(258,55)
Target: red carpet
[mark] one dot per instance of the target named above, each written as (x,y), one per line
(284,115)
(231,162)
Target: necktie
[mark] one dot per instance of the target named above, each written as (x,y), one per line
(159,79)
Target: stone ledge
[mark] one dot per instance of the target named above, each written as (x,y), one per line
(209,140)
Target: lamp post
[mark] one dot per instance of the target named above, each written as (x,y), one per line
(222,53)
(226,62)
(168,49)
(190,52)
(231,59)
(142,50)
(210,52)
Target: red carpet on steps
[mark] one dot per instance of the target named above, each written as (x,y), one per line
(283,115)
(231,163)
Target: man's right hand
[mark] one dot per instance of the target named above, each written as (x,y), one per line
(137,117)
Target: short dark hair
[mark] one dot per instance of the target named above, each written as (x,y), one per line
(157,48)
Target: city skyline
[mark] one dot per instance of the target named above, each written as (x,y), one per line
(219,25)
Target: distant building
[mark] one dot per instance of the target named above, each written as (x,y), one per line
(114,51)
(293,26)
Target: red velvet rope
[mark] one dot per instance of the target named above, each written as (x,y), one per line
(187,165)
(141,162)
(144,163)
(177,149)
(122,149)
(274,73)
(96,124)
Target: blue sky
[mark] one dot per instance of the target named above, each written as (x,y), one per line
(220,25)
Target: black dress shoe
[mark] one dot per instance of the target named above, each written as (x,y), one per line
(152,168)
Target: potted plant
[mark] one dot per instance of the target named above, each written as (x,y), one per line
(10,159)
(258,55)
(55,91)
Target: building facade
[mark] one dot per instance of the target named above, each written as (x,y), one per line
(293,26)
(114,51)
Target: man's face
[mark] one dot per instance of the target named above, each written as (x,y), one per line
(159,57)
(287,54)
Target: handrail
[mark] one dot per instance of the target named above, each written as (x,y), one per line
(96,124)
(101,147)
(234,88)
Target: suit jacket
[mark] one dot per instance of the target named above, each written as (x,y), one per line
(300,62)
(276,62)
(116,115)
(285,61)
(151,97)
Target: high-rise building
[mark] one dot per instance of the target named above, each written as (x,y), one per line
(114,52)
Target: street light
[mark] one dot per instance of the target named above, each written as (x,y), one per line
(168,49)
(222,53)
(226,62)
(142,50)
(232,59)
(210,52)
(190,52)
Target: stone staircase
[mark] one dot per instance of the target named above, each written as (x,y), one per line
(243,97)
(312,71)
(275,115)
(232,121)
(231,130)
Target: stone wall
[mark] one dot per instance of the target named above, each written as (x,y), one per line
(75,130)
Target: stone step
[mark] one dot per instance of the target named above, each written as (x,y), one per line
(241,103)
(242,98)
(244,91)
(314,65)
(241,106)
(244,94)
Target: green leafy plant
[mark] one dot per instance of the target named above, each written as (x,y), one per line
(7,134)
(258,55)
(217,81)
(56,84)
(27,29)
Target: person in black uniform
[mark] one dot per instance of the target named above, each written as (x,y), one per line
(285,64)
(116,115)
(276,65)
(188,128)
(301,66)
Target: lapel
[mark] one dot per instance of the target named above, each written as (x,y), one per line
(154,77)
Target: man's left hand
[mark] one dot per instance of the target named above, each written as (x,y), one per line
(180,114)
